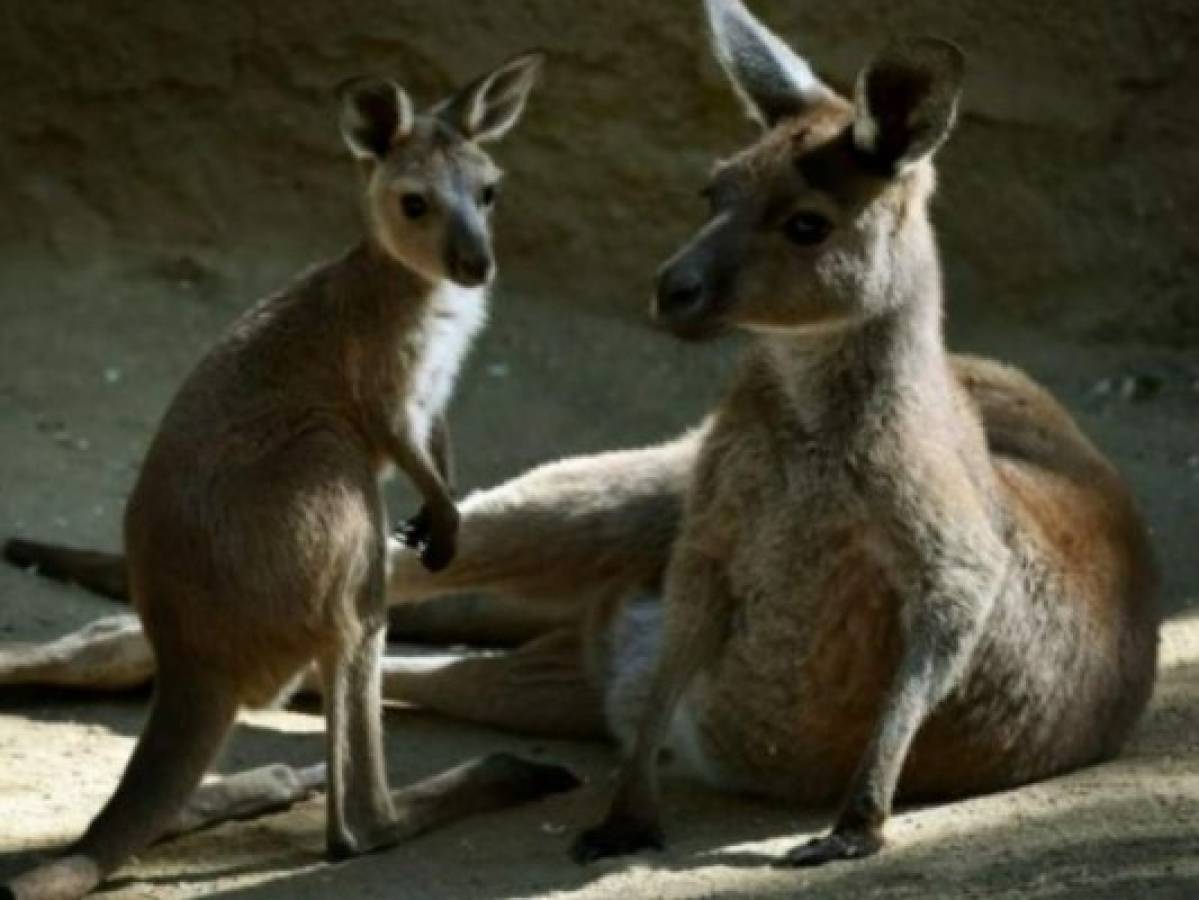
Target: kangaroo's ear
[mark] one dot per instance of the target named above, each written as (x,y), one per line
(487,108)
(772,80)
(906,102)
(375,114)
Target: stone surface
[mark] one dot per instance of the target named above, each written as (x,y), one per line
(199,139)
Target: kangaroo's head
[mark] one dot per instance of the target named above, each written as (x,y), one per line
(429,185)
(824,220)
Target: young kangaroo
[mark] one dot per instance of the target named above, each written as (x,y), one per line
(256,533)
(877,569)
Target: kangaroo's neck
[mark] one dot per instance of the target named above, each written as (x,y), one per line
(388,277)
(866,374)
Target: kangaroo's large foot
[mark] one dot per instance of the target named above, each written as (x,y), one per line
(620,836)
(837,845)
(362,842)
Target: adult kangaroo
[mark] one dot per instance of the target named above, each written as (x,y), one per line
(876,570)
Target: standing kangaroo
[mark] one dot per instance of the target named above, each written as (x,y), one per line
(256,532)
(876,569)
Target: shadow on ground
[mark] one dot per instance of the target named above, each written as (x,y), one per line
(1126,829)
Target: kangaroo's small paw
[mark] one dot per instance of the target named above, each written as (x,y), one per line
(836,845)
(525,780)
(415,532)
(438,552)
(617,837)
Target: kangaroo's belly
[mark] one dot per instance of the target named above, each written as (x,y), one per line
(788,706)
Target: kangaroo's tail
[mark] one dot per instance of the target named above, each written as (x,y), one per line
(188,722)
(101,573)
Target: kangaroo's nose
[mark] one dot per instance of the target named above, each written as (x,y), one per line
(471,268)
(680,295)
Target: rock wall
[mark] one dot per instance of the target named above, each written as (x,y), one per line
(196,141)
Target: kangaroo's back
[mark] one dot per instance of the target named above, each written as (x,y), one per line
(1076,633)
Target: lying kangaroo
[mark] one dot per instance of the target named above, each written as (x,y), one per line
(877,567)
(256,532)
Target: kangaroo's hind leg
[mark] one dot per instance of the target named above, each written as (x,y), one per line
(539,689)
(109,654)
(360,815)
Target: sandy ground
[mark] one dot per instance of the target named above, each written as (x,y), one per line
(84,374)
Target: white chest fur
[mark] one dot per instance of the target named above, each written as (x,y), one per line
(455,316)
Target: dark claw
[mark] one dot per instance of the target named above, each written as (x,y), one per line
(616,837)
(438,554)
(415,532)
(837,845)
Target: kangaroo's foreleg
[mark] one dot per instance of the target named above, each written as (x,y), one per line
(435,527)
(441,448)
(955,568)
(696,625)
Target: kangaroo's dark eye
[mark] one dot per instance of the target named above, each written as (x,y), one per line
(807,228)
(415,206)
(487,195)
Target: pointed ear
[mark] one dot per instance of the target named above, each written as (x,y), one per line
(906,102)
(771,79)
(487,108)
(375,114)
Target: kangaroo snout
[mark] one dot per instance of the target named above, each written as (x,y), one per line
(684,303)
(679,295)
(468,260)
(470,268)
